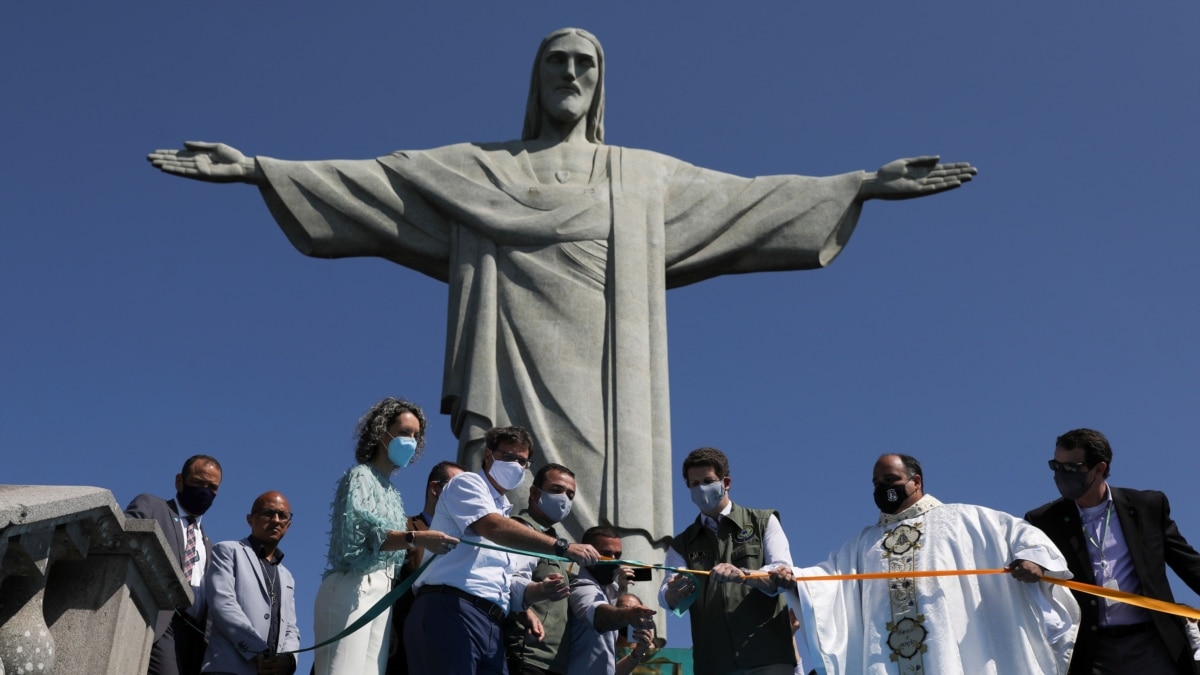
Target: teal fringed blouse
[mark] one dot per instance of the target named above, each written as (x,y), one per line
(365,508)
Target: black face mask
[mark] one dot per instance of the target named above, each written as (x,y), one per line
(1072,484)
(195,499)
(889,497)
(604,574)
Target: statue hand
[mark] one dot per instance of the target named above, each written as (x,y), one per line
(212,162)
(915,177)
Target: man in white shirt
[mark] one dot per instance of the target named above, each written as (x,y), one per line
(455,623)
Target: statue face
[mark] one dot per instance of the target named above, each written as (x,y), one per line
(568,75)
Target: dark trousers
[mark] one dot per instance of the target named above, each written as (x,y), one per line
(1142,653)
(180,649)
(446,634)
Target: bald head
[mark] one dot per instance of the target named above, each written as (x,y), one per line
(270,517)
(272,497)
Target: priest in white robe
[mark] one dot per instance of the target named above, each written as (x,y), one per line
(954,625)
(558,250)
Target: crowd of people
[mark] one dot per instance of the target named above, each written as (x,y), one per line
(510,593)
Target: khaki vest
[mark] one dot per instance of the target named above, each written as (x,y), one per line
(734,627)
(550,654)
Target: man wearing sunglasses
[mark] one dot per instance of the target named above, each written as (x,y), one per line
(1124,540)
(252,597)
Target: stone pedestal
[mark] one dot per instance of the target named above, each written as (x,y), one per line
(80,586)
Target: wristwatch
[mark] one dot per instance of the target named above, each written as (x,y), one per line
(560,547)
(410,538)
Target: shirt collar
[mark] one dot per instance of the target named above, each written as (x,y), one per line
(498,497)
(712,523)
(258,547)
(1097,510)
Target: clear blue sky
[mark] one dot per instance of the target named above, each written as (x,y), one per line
(144,318)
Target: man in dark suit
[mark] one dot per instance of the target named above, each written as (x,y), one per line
(252,598)
(179,636)
(1121,539)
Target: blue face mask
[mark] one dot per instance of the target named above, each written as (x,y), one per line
(401,450)
(708,496)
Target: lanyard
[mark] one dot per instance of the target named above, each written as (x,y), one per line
(1103,535)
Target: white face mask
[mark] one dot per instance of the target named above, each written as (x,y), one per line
(507,475)
(556,507)
(708,496)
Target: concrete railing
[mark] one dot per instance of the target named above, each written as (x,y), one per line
(80,585)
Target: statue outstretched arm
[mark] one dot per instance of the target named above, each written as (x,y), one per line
(212,162)
(915,177)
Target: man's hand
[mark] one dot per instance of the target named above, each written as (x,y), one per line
(915,177)
(435,542)
(534,630)
(727,573)
(554,587)
(782,578)
(584,554)
(644,642)
(211,162)
(1023,570)
(678,588)
(638,616)
(281,664)
(624,579)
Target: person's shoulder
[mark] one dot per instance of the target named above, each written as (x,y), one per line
(145,501)
(230,546)
(1134,493)
(359,471)
(468,481)
(1045,510)
(1138,496)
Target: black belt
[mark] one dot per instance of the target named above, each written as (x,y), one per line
(1126,629)
(491,609)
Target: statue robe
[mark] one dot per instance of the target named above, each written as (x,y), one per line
(557,308)
(961,625)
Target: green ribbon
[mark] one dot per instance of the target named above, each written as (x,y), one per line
(390,599)
(385,603)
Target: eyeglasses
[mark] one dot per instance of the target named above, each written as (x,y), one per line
(283,516)
(502,456)
(1068,467)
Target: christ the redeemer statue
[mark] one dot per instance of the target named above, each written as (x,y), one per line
(559,250)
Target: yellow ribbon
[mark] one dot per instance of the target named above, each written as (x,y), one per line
(1091,589)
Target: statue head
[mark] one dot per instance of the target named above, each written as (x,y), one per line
(534,107)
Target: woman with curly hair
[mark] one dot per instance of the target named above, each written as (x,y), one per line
(368,541)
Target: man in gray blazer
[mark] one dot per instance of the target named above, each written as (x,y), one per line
(252,598)
(179,636)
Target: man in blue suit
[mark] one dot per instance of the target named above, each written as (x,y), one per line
(252,598)
(179,635)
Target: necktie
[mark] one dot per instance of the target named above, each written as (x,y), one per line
(190,554)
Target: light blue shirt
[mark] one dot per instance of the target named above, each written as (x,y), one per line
(1111,561)
(482,572)
(592,652)
(365,508)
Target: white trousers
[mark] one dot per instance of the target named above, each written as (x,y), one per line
(341,599)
